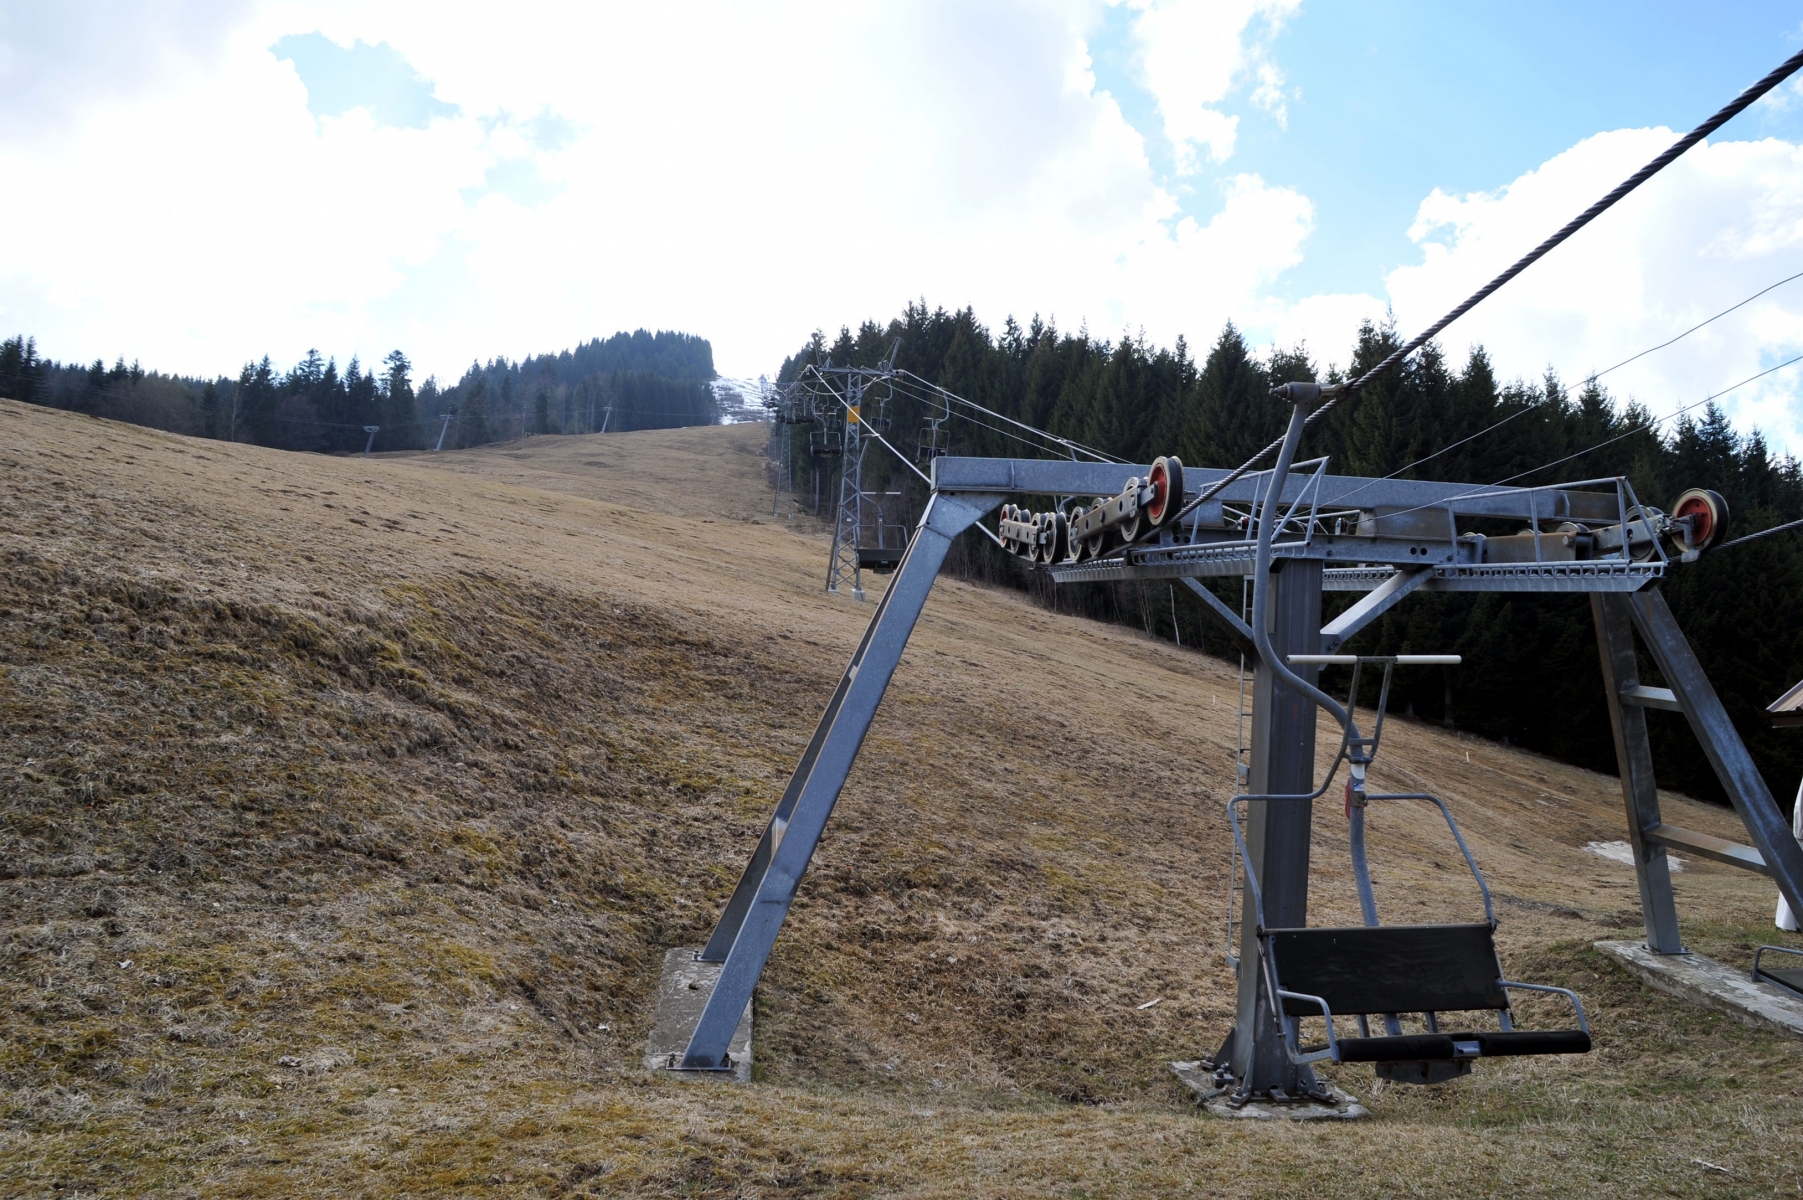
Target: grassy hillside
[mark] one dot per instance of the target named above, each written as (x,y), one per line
(347,807)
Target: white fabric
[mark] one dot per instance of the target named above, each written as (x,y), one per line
(1786,919)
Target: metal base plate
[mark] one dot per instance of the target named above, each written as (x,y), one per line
(1200,1080)
(1704,981)
(682,991)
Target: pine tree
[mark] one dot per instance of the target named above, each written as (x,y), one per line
(12,364)
(210,417)
(258,399)
(472,415)
(400,414)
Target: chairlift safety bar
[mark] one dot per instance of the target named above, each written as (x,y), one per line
(1401,660)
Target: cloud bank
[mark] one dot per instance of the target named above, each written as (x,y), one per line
(360,177)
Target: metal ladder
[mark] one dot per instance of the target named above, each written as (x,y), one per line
(1242,774)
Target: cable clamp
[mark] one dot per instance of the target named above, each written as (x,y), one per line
(1355,788)
(1306,396)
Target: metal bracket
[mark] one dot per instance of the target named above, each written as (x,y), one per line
(1376,603)
(1237,629)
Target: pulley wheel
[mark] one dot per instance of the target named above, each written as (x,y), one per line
(1058,545)
(1043,535)
(1128,530)
(1078,552)
(1708,513)
(1166,480)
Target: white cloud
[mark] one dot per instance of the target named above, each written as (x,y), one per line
(57,58)
(1713,228)
(750,172)
(1192,53)
(747,172)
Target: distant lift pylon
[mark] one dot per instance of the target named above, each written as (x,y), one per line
(1298,532)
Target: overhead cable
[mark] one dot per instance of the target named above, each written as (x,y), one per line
(1783,71)
(1597,375)
(1718,316)
(1042,444)
(1483,489)
(1762,533)
(1646,428)
(1098,455)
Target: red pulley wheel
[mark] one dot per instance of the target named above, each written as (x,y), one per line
(1708,513)
(1166,480)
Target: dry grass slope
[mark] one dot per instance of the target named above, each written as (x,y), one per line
(348,806)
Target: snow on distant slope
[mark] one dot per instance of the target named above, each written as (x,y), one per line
(741,399)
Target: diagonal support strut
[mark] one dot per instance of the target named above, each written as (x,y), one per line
(754,916)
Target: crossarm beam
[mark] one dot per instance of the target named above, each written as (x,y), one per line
(755,914)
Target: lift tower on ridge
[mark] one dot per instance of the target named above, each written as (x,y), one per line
(858,530)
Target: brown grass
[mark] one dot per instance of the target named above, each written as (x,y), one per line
(391,780)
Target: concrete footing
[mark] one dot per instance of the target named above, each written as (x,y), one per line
(1200,1080)
(1704,981)
(682,991)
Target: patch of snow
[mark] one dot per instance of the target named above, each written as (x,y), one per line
(741,400)
(1623,853)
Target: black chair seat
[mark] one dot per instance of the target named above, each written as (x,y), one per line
(1366,970)
(1790,977)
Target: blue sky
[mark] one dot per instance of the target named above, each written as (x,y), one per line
(1394,98)
(462,180)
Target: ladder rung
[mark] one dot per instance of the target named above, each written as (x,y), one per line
(1705,845)
(1651,697)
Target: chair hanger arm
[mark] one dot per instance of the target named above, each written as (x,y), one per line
(1570,995)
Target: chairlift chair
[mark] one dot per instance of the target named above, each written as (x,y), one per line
(880,550)
(1390,971)
(1789,977)
(931,442)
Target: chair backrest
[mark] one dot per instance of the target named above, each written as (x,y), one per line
(1389,968)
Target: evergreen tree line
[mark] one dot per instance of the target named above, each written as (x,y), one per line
(1530,674)
(628,381)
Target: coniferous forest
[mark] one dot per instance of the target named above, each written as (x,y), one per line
(1530,674)
(635,380)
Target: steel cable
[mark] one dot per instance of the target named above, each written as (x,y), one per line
(1592,378)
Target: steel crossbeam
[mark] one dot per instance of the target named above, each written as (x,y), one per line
(1055,477)
(1378,527)
(1227,561)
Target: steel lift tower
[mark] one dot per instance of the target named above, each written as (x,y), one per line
(856,507)
(1385,538)
(1297,532)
